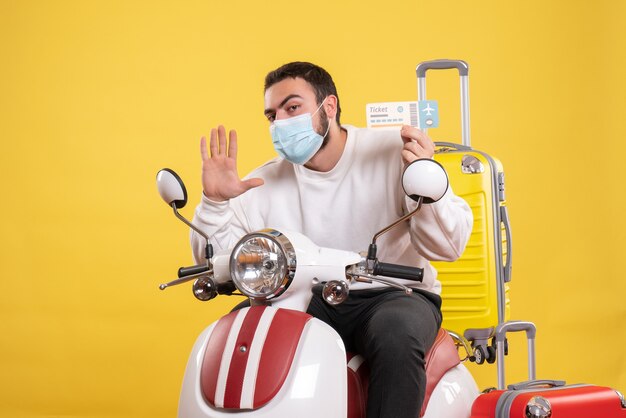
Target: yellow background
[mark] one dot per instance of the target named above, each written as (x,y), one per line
(96,96)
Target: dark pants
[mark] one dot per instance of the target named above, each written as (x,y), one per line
(393,331)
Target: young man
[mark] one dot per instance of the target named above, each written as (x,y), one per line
(339,185)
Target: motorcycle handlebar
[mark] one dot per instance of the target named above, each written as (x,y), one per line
(317,289)
(188,271)
(398,271)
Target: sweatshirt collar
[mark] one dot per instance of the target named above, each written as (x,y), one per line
(339,170)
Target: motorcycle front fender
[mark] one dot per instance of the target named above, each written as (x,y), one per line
(315,384)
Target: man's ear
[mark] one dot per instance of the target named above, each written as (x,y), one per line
(330,106)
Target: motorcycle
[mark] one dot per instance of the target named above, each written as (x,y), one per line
(272,359)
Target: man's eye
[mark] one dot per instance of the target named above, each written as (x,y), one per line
(293,108)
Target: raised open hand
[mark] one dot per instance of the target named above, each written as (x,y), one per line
(220,180)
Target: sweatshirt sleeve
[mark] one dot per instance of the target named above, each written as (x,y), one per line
(440,231)
(224,222)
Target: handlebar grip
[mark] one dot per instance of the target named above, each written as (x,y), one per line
(316,289)
(188,271)
(398,271)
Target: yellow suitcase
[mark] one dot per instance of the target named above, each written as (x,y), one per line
(475,289)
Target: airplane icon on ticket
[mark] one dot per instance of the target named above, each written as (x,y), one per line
(429,114)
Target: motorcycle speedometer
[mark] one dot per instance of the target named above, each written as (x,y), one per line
(262,264)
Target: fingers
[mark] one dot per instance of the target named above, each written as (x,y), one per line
(251,183)
(417,142)
(213,143)
(408,157)
(218,144)
(203,150)
(411,151)
(415,148)
(221,135)
(232,144)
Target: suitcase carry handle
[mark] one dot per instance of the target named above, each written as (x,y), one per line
(500,336)
(534,383)
(504,217)
(463,68)
(453,146)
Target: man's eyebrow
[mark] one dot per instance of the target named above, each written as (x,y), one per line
(285,100)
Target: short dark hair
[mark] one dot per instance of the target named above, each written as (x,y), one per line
(315,75)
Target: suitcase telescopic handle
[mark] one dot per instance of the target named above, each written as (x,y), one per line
(442,65)
(500,336)
(463,69)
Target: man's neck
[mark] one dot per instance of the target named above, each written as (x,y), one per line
(327,158)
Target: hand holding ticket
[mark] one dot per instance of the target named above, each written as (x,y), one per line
(423,114)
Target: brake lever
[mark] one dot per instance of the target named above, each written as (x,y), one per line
(368,278)
(184,279)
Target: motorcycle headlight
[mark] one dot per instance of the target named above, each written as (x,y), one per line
(262,264)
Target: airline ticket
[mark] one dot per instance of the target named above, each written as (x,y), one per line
(421,114)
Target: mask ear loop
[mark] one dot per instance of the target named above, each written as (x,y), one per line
(327,129)
(320,106)
(329,119)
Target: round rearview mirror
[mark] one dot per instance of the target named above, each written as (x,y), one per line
(425,178)
(171,188)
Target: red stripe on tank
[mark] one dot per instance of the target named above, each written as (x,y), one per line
(213,356)
(278,352)
(237,370)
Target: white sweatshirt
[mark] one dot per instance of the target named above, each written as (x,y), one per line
(344,208)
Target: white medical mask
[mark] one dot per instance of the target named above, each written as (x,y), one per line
(295,139)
